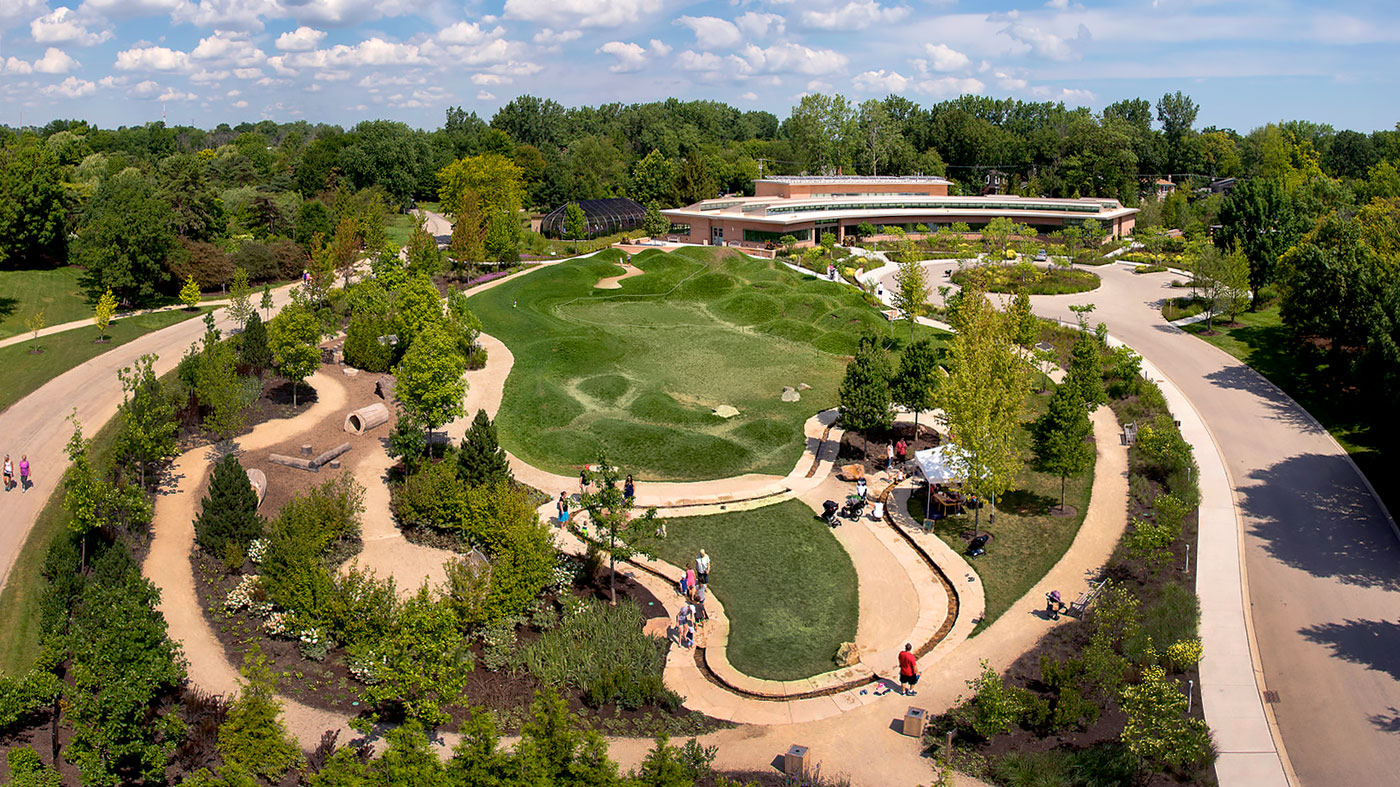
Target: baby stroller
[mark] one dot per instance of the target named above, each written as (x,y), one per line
(829,509)
(855,506)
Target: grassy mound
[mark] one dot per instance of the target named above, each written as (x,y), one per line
(638,371)
(786,584)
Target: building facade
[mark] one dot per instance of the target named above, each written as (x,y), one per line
(807,207)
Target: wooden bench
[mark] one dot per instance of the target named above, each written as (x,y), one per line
(1081,604)
(1130,433)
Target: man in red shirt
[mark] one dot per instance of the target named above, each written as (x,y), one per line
(908,671)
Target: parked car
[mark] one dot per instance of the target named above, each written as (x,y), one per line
(1041,256)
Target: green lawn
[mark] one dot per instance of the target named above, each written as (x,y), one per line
(1261,340)
(398,227)
(25,373)
(19,603)
(636,372)
(787,586)
(1027,540)
(1181,308)
(55,291)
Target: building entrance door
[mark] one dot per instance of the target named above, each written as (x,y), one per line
(716,236)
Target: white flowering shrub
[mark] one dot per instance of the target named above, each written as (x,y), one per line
(257,550)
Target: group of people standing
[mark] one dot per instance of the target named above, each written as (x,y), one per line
(695,586)
(23,473)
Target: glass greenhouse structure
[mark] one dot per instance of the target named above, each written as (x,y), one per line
(605,217)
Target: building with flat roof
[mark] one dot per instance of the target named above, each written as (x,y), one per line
(806,207)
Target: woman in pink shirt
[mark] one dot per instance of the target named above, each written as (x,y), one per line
(23,472)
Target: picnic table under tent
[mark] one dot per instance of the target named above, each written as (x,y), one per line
(943,464)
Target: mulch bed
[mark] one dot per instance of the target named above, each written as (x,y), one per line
(870,451)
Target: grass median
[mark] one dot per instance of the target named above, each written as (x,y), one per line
(787,586)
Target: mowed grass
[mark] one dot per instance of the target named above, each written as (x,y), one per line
(19,603)
(637,372)
(56,291)
(26,372)
(787,586)
(1261,340)
(1027,539)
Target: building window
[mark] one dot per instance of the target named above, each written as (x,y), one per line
(760,236)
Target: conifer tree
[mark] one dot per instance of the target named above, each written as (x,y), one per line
(253,351)
(229,512)
(253,738)
(912,387)
(1061,437)
(482,461)
(865,392)
(1085,375)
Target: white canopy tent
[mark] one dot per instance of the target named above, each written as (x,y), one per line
(942,464)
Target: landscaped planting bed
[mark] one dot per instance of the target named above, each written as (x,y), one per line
(1028,278)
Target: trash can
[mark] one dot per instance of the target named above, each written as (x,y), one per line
(914,719)
(795,761)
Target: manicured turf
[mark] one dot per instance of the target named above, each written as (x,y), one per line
(25,373)
(1027,540)
(786,584)
(55,291)
(638,371)
(1035,281)
(1260,339)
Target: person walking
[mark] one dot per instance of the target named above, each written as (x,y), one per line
(23,473)
(684,637)
(889,456)
(583,481)
(563,508)
(629,489)
(690,582)
(908,671)
(9,473)
(700,592)
(702,567)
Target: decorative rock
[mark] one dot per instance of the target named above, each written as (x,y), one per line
(847,655)
(726,411)
(791,395)
(366,418)
(384,387)
(803,387)
(258,479)
(306,449)
(350,371)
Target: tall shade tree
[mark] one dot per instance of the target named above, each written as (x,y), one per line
(429,378)
(149,426)
(610,515)
(913,383)
(32,229)
(495,180)
(82,489)
(911,291)
(864,395)
(293,336)
(983,395)
(124,239)
(422,250)
(503,237)
(1258,218)
(1061,437)
(654,224)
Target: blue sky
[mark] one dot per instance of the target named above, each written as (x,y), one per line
(204,62)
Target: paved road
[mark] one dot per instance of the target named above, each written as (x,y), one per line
(35,425)
(1321,556)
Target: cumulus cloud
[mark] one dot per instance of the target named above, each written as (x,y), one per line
(72,87)
(62,26)
(631,56)
(749,96)
(787,57)
(240,105)
(855,15)
(944,58)
(13,11)
(947,87)
(468,33)
(230,48)
(226,14)
(699,61)
(303,39)
(485,95)
(758,25)
(587,13)
(1048,45)
(711,31)
(489,79)
(129,8)
(881,81)
(152,58)
(14,65)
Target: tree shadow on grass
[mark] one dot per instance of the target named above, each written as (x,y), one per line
(1314,513)
(7,306)
(1026,503)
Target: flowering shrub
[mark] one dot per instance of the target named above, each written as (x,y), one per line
(249,595)
(1184,654)
(257,550)
(278,624)
(366,668)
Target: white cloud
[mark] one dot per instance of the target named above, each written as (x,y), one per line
(129,8)
(588,13)
(303,39)
(947,87)
(204,76)
(62,27)
(550,38)
(881,81)
(145,89)
(152,58)
(757,25)
(231,48)
(789,58)
(711,31)
(247,73)
(485,95)
(749,96)
(489,79)
(1048,45)
(172,94)
(944,58)
(699,61)
(72,87)
(468,33)
(13,11)
(240,105)
(631,56)
(1009,82)
(1071,96)
(14,65)
(226,14)
(855,15)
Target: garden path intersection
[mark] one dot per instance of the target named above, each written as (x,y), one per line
(898,567)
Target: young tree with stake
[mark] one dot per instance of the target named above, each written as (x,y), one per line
(911,291)
(610,514)
(102,313)
(1061,437)
(292,336)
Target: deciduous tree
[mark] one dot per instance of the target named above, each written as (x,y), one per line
(102,314)
(610,516)
(1061,437)
(429,378)
(293,336)
(865,391)
(911,291)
